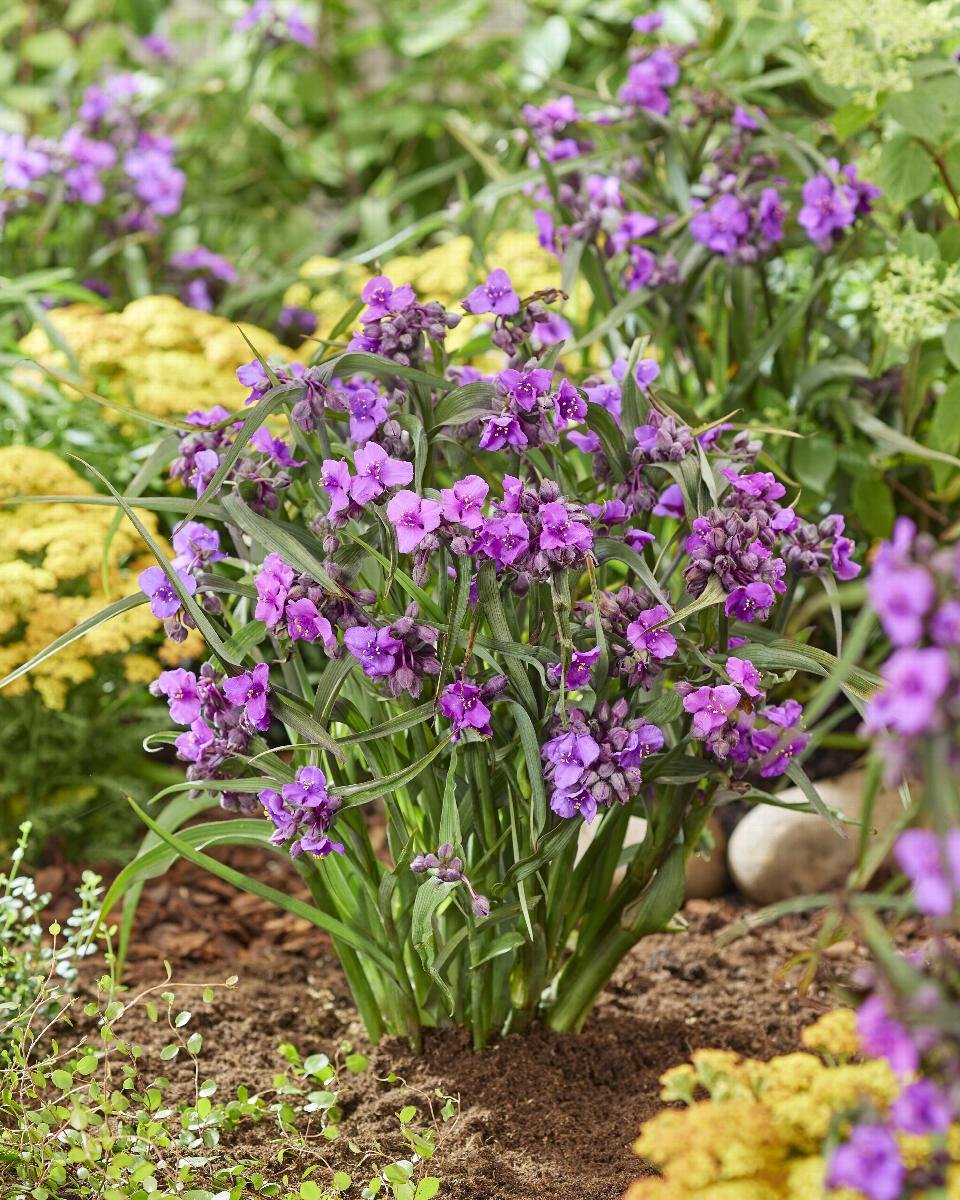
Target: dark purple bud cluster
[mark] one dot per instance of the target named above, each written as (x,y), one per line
(448,868)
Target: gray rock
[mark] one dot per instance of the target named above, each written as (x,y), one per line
(775,854)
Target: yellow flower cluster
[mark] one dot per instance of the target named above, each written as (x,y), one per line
(446,272)
(157,355)
(50,577)
(760,1133)
(868,48)
(913,299)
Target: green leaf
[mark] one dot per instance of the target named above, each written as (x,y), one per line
(275,535)
(427,1188)
(543,50)
(802,780)
(611,438)
(449,813)
(458,612)
(501,945)
(355,938)
(489,595)
(48,49)
(930,110)
(530,745)
(894,440)
(873,505)
(378,787)
(951,342)
(608,549)
(464,404)
(660,900)
(905,170)
(295,714)
(814,461)
(431,896)
(78,631)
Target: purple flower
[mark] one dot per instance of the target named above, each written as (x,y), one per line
(750,603)
(569,404)
(272,582)
(922,1108)
(571,753)
(901,596)
(462,503)
(781,741)
(641,743)
(462,705)
(826,210)
(382,298)
(567,803)
(579,670)
(648,22)
(945,624)
(495,296)
(275,448)
(670,503)
(914,682)
(745,675)
(559,531)
(375,472)
(157,182)
(710,707)
(368,411)
(251,690)
(525,387)
(882,1037)
(723,226)
(771,214)
(658,643)
(164,601)
(840,559)
(180,689)
(305,623)
(933,868)
(202,259)
(551,329)
(504,539)
(196,544)
(309,789)
(502,431)
(743,120)
(192,744)
(647,81)
(870,1162)
(336,479)
(375,649)
(413,519)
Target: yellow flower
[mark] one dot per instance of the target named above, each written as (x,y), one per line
(157,356)
(51,563)
(835,1033)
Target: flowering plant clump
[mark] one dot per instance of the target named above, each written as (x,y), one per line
(511,606)
(755,1130)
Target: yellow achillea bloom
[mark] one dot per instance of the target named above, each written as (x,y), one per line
(50,577)
(763,1129)
(157,355)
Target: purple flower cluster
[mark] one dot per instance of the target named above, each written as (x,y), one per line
(447,867)
(649,79)
(276,27)
(302,813)
(223,716)
(201,274)
(738,727)
(399,654)
(396,326)
(293,603)
(832,202)
(595,761)
(110,157)
(914,587)
(464,704)
(261,472)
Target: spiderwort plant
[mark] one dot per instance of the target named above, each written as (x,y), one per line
(510,613)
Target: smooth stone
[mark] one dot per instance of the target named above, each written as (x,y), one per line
(775,854)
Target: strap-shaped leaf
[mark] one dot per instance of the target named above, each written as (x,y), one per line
(388,783)
(530,745)
(449,813)
(489,595)
(295,714)
(464,404)
(353,937)
(203,623)
(431,896)
(607,549)
(276,536)
(78,631)
(458,611)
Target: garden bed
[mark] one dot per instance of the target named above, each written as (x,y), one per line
(543,1116)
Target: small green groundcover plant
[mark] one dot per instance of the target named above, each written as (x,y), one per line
(85,1116)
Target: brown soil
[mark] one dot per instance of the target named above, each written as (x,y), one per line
(543,1116)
